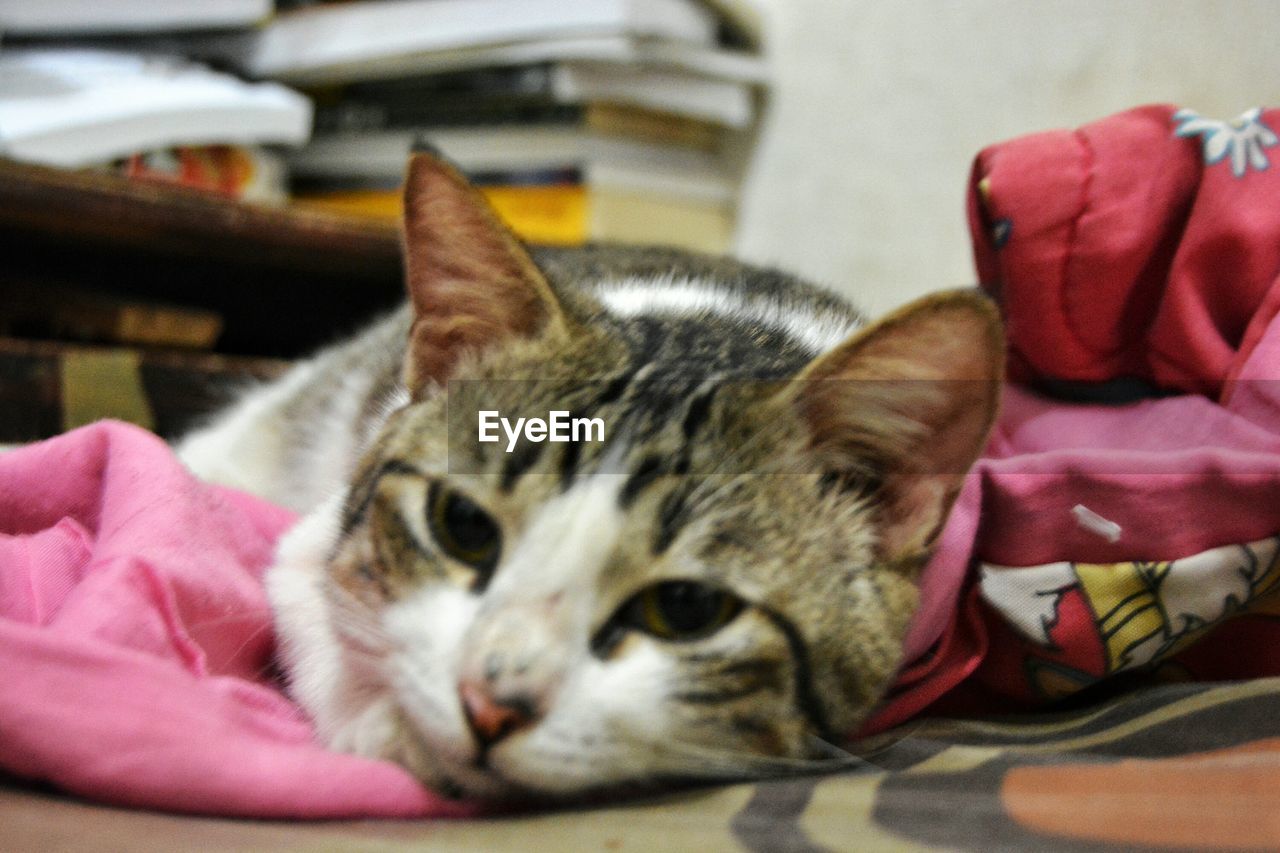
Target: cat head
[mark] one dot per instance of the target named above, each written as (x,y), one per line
(718,588)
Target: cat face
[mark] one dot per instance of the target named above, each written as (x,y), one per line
(719,588)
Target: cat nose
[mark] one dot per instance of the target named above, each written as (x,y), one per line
(492,719)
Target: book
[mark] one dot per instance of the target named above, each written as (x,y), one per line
(538,92)
(740,22)
(709,60)
(93,17)
(566,213)
(359,37)
(650,218)
(80,106)
(677,106)
(378,158)
(650,126)
(547,214)
(670,90)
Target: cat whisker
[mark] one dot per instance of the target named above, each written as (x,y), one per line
(702,761)
(362,630)
(253,637)
(231,618)
(355,612)
(238,616)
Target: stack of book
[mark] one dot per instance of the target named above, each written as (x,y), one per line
(580,119)
(626,120)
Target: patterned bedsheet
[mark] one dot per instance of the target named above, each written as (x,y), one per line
(1174,766)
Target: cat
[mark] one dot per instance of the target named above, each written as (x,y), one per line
(717,589)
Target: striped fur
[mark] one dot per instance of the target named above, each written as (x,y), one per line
(711,473)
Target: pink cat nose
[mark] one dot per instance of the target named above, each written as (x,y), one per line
(492,719)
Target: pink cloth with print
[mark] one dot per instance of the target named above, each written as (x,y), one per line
(136,642)
(1145,247)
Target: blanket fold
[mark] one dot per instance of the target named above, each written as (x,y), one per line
(136,642)
(1138,252)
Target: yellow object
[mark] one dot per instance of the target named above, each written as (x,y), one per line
(1126,602)
(549,215)
(570,214)
(369,204)
(103,383)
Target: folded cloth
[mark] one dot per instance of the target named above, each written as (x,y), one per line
(136,642)
(1141,250)
(1144,245)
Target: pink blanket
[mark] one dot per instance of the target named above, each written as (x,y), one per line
(136,641)
(1139,251)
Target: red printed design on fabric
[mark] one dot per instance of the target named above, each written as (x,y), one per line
(1136,258)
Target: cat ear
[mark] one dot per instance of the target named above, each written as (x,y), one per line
(909,401)
(472,283)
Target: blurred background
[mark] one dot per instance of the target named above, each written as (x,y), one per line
(879,108)
(192,191)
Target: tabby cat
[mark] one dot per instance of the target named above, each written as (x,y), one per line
(717,589)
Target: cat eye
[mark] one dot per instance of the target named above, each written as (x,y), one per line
(464,531)
(682,610)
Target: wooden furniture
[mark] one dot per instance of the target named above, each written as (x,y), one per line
(279,282)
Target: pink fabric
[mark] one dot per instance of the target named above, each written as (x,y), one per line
(1179,475)
(136,642)
(1122,249)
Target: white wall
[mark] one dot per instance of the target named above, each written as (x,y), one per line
(880,105)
